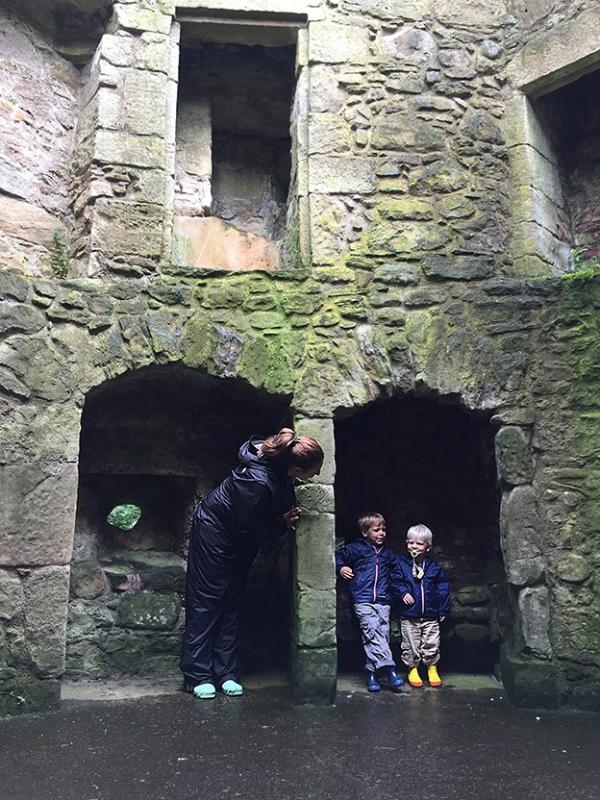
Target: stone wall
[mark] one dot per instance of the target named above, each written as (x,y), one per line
(408,284)
(38,100)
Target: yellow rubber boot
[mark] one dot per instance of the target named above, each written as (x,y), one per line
(414,678)
(432,676)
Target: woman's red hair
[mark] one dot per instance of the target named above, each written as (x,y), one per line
(290,450)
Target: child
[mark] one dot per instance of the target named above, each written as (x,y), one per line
(371,568)
(424,605)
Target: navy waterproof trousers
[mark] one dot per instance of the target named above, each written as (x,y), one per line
(218,566)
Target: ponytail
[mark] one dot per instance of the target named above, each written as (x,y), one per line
(289,450)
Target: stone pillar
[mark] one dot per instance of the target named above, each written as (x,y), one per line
(37,517)
(314,657)
(527,671)
(125,142)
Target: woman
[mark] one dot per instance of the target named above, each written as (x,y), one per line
(256,499)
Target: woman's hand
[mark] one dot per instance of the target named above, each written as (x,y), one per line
(346,573)
(291,517)
(408,599)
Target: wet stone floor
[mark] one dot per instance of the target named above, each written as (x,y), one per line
(448,744)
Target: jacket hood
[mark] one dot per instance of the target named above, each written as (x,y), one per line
(260,468)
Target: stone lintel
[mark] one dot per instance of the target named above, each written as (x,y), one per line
(559,56)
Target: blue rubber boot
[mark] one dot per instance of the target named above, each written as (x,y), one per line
(394,679)
(373,684)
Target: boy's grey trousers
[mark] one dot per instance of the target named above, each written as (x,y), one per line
(374,621)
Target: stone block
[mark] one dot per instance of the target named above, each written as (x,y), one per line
(473,595)
(314,673)
(149,610)
(315,618)
(323,431)
(20,319)
(530,168)
(136,17)
(514,458)
(333,43)
(405,132)
(401,208)
(411,10)
(120,227)
(325,92)
(534,610)
(464,268)
(531,239)
(120,147)
(143,106)
(551,59)
(211,243)
(37,513)
(28,222)
(314,549)
(316,497)
(521,125)
(472,633)
(402,274)
(11,595)
(530,683)
(520,536)
(46,594)
(473,13)
(572,567)
(12,286)
(407,45)
(443,175)
(342,175)
(328,133)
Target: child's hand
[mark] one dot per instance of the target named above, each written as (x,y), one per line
(346,573)
(408,599)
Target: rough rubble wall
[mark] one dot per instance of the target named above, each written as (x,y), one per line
(38,103)
(402,183)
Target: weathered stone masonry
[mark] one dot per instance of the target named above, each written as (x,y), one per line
(426,234)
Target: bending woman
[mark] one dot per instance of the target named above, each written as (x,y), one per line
(256,499)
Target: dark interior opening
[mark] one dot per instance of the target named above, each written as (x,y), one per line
(572,117)
(161,438)
(233,132)
(418,460)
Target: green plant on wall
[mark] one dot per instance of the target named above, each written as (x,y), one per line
(585,267)
(59,255)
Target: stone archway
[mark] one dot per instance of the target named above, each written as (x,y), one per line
(420,460)
(161,438)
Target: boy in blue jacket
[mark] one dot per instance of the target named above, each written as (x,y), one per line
(425,603)
(372,570)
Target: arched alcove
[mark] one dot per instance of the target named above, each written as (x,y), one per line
(420,460)
(161,438)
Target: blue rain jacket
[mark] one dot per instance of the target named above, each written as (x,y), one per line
(250,502)
(377,574)
(431,593)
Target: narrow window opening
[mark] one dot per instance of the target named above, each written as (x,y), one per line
(233,146)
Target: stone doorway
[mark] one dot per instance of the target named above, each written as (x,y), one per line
(419,460)
(161,438)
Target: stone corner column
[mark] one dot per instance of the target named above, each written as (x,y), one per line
(314,651)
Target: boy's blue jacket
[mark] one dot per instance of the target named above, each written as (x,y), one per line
(377,575)
(431,593)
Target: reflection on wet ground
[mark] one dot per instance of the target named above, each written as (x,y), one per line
(448,744)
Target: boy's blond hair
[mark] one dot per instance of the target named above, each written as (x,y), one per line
(365,521)
(422,532)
